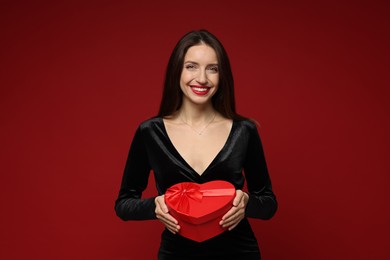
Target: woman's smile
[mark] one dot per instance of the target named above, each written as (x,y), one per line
(200,90)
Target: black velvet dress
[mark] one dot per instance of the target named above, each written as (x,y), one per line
(240,158)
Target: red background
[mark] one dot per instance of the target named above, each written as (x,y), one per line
(78,77)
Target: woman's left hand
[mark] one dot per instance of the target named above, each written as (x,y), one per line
(231,219)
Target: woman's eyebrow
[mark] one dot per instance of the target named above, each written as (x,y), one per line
(194,62)
(190,61)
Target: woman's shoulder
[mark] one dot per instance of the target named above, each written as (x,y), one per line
(248,123)
(150,123)
(248,128)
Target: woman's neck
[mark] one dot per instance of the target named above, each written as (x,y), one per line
(194,114)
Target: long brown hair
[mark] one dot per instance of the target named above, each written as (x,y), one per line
(172,97)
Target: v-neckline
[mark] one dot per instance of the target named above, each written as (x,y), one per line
(182,158)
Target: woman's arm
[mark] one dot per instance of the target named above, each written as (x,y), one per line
(129,205)
(262,202)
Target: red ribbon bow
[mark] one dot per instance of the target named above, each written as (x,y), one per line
(179,195)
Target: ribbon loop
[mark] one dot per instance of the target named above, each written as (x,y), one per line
(179,195)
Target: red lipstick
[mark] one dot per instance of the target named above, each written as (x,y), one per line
(200,90)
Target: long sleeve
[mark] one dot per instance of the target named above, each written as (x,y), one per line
(129,205)
(262,202)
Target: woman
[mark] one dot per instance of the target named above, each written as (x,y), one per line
(198,137)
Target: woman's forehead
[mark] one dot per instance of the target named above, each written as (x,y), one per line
(201,53)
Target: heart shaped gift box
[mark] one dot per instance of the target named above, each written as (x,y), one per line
(200,207)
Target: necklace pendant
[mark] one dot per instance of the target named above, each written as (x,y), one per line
(196,131)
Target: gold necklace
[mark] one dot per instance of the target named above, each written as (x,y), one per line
(196,131)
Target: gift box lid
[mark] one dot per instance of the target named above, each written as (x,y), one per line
(200,203)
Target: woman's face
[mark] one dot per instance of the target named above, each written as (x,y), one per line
(199,77)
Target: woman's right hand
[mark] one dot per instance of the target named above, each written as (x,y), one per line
(163,215)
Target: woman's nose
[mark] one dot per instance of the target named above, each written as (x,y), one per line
(202,77)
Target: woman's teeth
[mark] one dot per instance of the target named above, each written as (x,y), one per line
(200,89)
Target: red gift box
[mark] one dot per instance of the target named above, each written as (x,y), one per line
(200,207)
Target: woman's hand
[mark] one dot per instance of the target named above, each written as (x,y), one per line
(163,215)
(231,219)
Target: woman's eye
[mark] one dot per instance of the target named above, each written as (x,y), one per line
(213,69)
(190,66)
